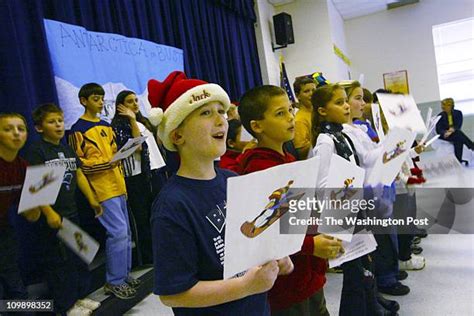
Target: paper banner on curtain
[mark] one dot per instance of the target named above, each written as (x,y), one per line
(396,146)
(401,111)
(114,61)
(41,186)
(253,224)
(377,117)
(83,245)
(361,244)
(129,148)
(345,181)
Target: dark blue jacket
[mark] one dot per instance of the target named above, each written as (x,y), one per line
(442,126)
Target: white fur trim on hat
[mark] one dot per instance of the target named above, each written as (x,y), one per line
(155,116)
(183,106)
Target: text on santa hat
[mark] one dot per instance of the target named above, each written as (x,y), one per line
(199,97)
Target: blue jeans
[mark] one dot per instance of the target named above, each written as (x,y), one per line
(118,246)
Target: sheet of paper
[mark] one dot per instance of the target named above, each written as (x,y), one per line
(129,148)
(41,186)
(361,244)
(83,245)
(432,140)
(376,115)
(401,111)
(396,148)
(431,126)
(428,117)
(253,224)
(345,181)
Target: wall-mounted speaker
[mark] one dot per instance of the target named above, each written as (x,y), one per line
(283,29)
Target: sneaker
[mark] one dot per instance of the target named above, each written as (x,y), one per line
(134,283)
(396,289)
(78,310)
(415,263)
(412,180)
(416,240)
(122,291)
(88,303)
(416,249)
(402,275)
(420,232)
(389,305)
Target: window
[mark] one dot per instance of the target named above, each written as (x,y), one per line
(454,51)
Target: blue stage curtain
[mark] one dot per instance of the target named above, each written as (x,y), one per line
(217,37)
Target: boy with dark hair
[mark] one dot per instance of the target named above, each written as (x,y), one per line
(188,216)
(13,134)
(234,146)
(61,266)
(267,113)
(304,88)
(94,143)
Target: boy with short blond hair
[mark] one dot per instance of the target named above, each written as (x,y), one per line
(188,216)
(94,143)
(58,262)
(13,134)
(267,114)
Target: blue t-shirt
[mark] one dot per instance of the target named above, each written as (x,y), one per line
(188,229)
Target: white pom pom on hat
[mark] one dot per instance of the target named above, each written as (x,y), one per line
(177,97)
(155,116)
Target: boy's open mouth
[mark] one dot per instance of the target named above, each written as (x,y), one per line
(219,135)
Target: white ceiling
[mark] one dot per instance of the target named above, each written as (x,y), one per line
(350,9)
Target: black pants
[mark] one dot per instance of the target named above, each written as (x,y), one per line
(65,273)
(405,206)
(140,200)
(11,285)
(459,139)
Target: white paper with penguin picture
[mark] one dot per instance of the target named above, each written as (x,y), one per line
(344,185)
(401,111)
(258,204)
(396,148)
(41,186)
(83,245)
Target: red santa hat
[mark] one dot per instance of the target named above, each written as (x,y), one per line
(175,98)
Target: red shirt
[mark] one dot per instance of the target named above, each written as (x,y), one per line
(12,176)
(229,161)
(308,276)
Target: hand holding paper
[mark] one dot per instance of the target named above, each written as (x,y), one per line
(361,244)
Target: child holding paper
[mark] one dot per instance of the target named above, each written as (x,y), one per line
(60,264)
(188,217)
(330,112)
(94,143)
(266,113)
(128,123)
(13,134)
(385,258)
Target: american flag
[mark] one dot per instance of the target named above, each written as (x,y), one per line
(284,83)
